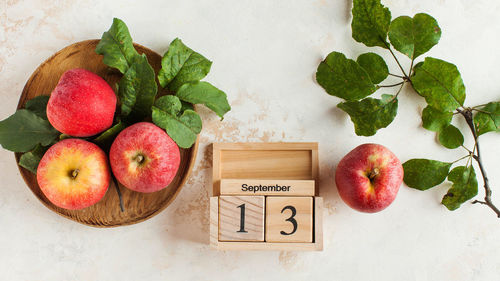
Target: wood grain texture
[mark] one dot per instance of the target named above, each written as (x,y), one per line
(279,221)
(106,213)
(230,218)
(285,161)
(267,187)
(317,245)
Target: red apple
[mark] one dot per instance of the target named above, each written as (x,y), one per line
(144,158)
(82,104)
(368,178)
(73,174)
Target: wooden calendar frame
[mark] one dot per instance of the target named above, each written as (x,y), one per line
(287,161)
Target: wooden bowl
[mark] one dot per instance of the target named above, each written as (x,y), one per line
(106,213)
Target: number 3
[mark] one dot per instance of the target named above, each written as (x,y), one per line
(290,219)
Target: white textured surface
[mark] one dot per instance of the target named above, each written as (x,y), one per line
(265,54)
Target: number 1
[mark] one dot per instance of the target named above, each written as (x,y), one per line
(242,219)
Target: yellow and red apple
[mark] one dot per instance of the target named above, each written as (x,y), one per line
(144,158)
(368,178)
(82,104)
(73,174)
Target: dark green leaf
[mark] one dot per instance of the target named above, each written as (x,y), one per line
(370,23)
(117,47)
(435,120)
(181,65)
(414,36)
(423,174)
(374,65)
(440,83)
(105,138)
(38,105)
(205,93)
(369,115)
(344,78)
(30,160)
(488,118)
(186,105)
(137,90)
(464,187)
(23,130)
(182,129)
(451,137)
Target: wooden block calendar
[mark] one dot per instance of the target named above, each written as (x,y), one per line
(265,197)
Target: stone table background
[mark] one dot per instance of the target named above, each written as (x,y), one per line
(265,54)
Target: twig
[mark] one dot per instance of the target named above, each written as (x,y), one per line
(395,75)
(467,114)
(389,86)
(119,193)
(394,56)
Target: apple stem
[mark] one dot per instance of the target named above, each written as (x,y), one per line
(373,173)
(74,173)
(139,158)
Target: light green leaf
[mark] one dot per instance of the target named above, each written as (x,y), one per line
(181,65)
(488,118)
(23,130)
(205,93)
(182,129)
(414,36)
(451,137)
(374,65)
(30,160)
(117,47)
(38,105)
(137,90)
(440,83)
(369,115)
(344,78)
(370,23)
(464,187)
(423,174)
(435,120)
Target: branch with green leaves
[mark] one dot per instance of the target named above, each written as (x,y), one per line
(437,81)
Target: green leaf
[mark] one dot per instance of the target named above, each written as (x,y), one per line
(344,78)
(181,65)
(435,120)
(182,129)
(374,65)
(423,174)
(464,187)
(440,83)
(105,138)
(414,36)
(23,130)
(186,105)
(488,118)
(38,105)
(117,47)
(205,93)
(370,23)
(451,137)
(369,115)
(137,90)
(30,160)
